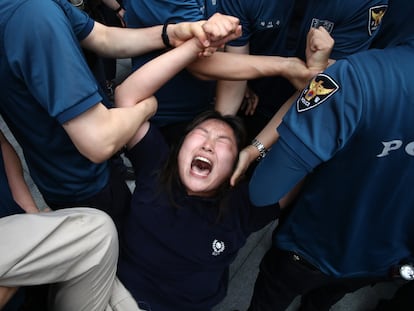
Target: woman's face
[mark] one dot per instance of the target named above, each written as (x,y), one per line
(207,157)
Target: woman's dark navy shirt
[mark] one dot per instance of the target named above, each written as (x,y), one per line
(177,258)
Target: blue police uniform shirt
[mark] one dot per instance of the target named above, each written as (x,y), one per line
(352,128)
(272,28)
(177,258)
(397,25)
(184,96)
(7,204)
(45,83)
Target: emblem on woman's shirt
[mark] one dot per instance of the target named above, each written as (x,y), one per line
(218,247)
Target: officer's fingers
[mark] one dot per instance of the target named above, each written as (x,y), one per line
(220,26)
(242,165)
(320,39)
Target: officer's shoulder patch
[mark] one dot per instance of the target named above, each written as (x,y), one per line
(376,13)
(319,89)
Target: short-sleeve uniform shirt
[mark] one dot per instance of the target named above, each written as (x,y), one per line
(45,83)
(278,27)
(352,129)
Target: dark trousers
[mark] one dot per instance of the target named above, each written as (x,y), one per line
(284,275)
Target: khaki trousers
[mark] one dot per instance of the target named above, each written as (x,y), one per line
(74,249)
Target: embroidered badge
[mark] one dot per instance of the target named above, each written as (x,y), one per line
(218,247)
(328,25)
(320,89)
(376,14)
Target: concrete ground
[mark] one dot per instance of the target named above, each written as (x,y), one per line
(245,268)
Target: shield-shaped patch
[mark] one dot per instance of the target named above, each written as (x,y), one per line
(319,89)
(376,14)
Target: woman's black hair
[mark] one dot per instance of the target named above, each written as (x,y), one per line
(169,176)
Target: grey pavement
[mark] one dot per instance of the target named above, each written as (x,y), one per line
(245,268)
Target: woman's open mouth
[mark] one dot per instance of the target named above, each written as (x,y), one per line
(201,166)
